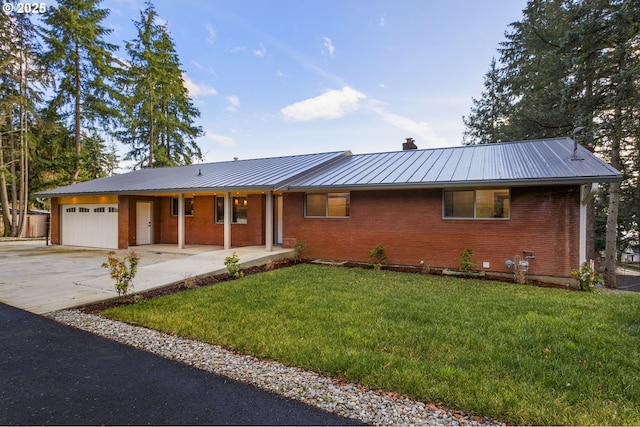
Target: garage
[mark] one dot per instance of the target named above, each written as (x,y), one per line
(90,225)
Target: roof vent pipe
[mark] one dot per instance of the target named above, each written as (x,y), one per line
(409,144)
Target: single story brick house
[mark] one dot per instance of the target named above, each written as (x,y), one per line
(500,200)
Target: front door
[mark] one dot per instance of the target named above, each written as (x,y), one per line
(143,223)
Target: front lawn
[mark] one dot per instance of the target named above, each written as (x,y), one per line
(522,354)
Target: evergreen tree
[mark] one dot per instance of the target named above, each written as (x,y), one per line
(86,69)
(489,115)
(575,63)
(159,115)
(22,78)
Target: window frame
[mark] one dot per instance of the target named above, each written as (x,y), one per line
(219,217)
(327,195)
(174,206)
(475,204)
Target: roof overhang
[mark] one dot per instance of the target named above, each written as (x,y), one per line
(458,184)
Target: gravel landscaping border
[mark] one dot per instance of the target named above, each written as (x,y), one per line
(330,394)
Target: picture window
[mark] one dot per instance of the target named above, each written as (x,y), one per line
(476,204)
(327,205)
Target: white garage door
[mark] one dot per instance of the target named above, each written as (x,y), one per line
(91,225)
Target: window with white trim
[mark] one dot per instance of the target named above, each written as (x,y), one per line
(476,204)
(327,205)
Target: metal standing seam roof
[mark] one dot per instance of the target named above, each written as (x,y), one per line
(537,162)
(543,162)
(258,174)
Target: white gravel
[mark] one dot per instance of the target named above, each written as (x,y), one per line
(330,394)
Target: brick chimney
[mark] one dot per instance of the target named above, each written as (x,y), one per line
(409,144)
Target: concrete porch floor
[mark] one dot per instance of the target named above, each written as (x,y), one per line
(41,279)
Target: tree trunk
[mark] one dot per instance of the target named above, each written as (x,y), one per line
(611,245)
(24,149)
(151,129)
(76,168)
(4,196)
(14,184)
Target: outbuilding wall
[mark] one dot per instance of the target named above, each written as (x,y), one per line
(410,227)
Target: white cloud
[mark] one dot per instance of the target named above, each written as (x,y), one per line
(421,131)
(381,22)
(198,90)
(234,103)
(221,139)
(331,104)
(261,52)
(328,45)
(211,39)
(238,49)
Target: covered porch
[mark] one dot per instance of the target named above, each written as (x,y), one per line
(230,219)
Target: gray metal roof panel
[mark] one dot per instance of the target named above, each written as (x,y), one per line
(516,163)
(259,174)
(513,163)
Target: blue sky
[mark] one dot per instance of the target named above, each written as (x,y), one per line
(281,77)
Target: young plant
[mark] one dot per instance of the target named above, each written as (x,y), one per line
(589,278)
(233,265)
(297,251)
(466,260)
(122,273)
(377,258)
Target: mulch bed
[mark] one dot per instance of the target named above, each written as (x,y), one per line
(194,283)
(96,308)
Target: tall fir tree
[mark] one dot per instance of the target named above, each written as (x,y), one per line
(86,69)
(22,80)
(159,115)
(571,64)
(489,114)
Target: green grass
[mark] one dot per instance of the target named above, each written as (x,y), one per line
(522,354)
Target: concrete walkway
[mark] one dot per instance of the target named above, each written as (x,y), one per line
(43,279)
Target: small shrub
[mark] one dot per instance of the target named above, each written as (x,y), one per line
(233,265)
(297,251)
(122,273)
(589,278)
(189,282)
(377,258)
(466,260)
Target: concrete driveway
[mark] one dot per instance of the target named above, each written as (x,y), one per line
(41,279)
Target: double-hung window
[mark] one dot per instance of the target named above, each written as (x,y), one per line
(327,205)
(476,204)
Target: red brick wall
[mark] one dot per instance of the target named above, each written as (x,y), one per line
(201,228)
(410,227)
(125,218)
(55,221)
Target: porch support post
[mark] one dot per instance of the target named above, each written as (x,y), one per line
(181,221)
(268,226)
(227,220)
